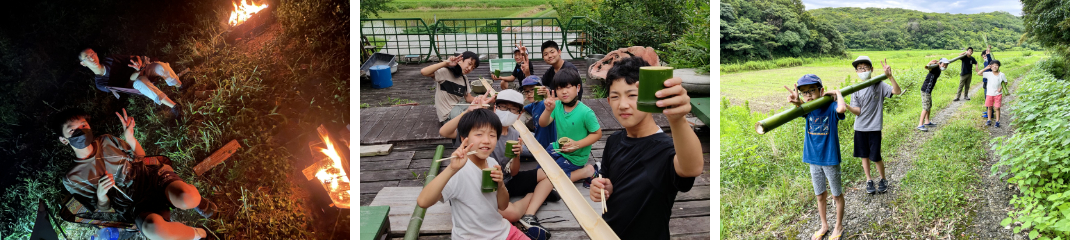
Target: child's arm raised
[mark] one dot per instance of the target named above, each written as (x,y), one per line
(430,70)
(449,129)
(688,161)
(841,107)
(433,191)
(547,116)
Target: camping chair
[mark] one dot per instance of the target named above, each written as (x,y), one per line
(73,210)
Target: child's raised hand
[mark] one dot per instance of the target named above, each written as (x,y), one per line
(675,100)
(793,96)
(460,155)
(597,184)
(496,174)
(452,61)
(887,68)
(550,101)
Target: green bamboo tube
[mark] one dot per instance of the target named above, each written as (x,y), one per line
(417,219)
(651,80)
(930,66)
(772,122)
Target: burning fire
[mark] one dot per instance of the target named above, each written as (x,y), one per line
(244,12)
(332,174)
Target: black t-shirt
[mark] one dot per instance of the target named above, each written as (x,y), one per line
(930,80)
(519,73)
(967,65)
(548,77)
(645,184)
(116,74)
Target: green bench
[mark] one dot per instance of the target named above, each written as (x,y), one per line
(701,108)
(373,222)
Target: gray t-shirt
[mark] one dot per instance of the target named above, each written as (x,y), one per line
(499,151)
(871,102)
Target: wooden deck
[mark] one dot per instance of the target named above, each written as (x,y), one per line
(410,85)
(407,165)
(412,125)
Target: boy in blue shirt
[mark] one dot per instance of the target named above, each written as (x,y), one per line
(821,147)
(547,134)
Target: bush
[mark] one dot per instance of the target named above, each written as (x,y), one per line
(1038,154)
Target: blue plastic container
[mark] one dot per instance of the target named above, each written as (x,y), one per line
(381,76)
(107,233)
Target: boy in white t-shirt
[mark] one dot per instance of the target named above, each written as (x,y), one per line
(475,213)
(997,81)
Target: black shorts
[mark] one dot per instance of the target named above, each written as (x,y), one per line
(868,145)
(152,193)
(523,183)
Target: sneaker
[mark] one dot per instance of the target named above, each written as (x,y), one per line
(984,115)
(587,182)
(553,197)
(956,99)
(537,233)
(206,208)
(869,187)
(931,124)
(988,123)
(997,124)
(177,111)
(529,221)
(967,99)
(922,128)
(882,186)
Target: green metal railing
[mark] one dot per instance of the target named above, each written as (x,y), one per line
(495,36)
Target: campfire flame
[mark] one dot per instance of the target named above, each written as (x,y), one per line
(244,12)
(332,174)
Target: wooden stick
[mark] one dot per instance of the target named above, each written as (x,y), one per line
(444,159)
(469,104)
(604,208)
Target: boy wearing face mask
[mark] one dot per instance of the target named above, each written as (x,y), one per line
(110,175)
(927,90)
(868,105)
(532,185)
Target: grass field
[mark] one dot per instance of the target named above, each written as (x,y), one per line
(764,184)
(764,89)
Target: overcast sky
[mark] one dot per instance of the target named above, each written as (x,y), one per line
(935,6)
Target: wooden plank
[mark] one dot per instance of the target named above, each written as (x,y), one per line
(690,225)
(368,117)
(389,125)
(608,117)
(696,193)
(374,187)
(686,209)
(310,171)
(385,165)
(598,109)
(426,125)
(585,215)
(402,202)
(375,150)
(403,127)
(387,175)
(331,143)
(372,221)
(217,157)
(392,156)
(380,127)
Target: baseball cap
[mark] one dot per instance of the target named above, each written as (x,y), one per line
(809,79)
(511,96)
(531,80)
(944,60)
(861,59)
(516,49)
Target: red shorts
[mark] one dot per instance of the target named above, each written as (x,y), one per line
(515,234)
(993,101)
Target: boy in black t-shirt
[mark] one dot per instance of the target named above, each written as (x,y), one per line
(642,167)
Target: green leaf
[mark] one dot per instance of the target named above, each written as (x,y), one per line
(1006,222)
(1033,234)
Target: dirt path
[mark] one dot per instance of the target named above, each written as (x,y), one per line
(996,193)
(867,215)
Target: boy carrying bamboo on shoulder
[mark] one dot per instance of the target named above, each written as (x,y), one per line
(821,147)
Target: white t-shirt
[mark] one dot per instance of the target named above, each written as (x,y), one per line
(994,83)
(475,213)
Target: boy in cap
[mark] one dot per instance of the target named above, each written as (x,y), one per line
(520,72)
(527,87)
(548,134)
(821,147)
(935,67)
(868,105)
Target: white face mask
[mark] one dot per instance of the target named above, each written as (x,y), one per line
(943,68)
(864,75)
(507,117)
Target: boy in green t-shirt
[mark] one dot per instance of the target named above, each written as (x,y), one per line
(577,126)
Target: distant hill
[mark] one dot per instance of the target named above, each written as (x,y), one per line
(896,28)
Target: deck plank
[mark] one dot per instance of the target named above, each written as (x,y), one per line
(368,117)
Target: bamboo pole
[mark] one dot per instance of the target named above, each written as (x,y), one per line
(772,122)
(930,66)
(589,219)
(417,219)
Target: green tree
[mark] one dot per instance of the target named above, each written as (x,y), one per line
(1046,23)
(373,7)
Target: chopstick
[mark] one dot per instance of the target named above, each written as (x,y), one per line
(469,104)
(604,209)
(451,157)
